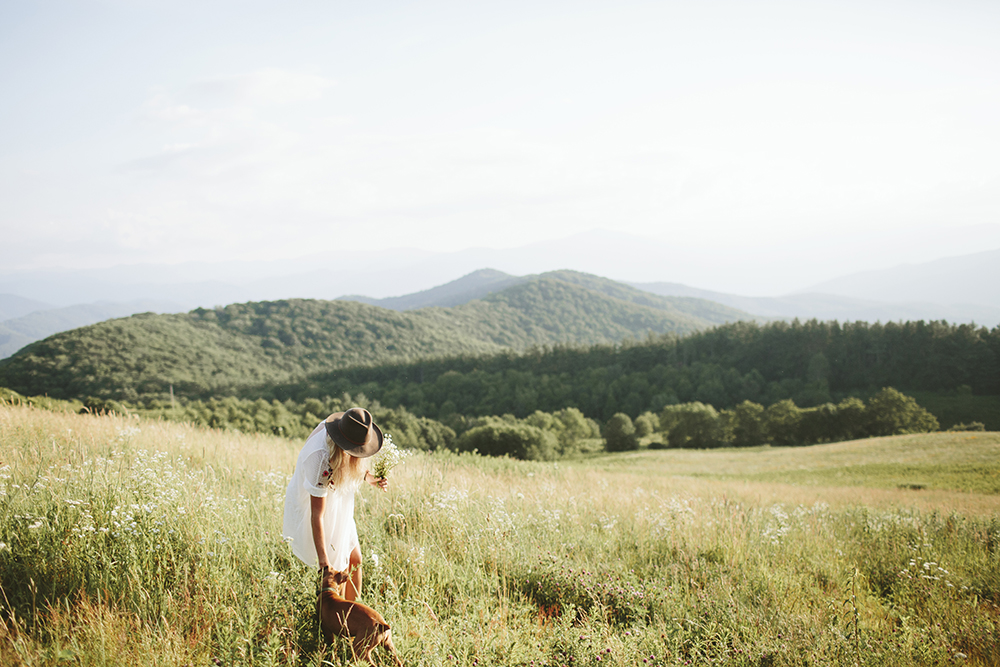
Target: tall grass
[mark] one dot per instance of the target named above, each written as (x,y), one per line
(151,543)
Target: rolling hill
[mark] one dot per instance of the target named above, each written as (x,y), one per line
(17,332)
(485,282)
(12,306)
(224,350)
(833,306)
(965,279)
(475,285)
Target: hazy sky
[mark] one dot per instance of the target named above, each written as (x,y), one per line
(148,131)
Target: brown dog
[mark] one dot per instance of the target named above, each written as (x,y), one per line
(338,616)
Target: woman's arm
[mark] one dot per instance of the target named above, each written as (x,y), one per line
(380,482)
(316,507)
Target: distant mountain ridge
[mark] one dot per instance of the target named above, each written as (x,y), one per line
(484,282)
(475,285)
(12,305)
(17,332)
(228,350)
(967,279)
(820,306)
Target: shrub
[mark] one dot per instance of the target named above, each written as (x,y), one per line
(850,422)
(693,425)
(517,439)
(619,434)
(744,424)
(890,412)
(646,424)
(781,423)
(970,426)
(818,424)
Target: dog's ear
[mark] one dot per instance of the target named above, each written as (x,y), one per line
(340,577)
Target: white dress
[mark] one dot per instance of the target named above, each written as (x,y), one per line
(312,478)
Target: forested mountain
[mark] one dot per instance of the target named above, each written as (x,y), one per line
(17,332)
(472,286)
(811,362)
(232,349)
(486,282)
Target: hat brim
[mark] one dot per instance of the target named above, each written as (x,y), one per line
(370,447)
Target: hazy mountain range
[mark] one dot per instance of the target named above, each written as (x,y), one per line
(259,343)
(34,305)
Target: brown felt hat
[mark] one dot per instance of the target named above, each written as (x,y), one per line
(355,432)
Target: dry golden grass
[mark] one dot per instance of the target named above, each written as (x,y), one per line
(648,558)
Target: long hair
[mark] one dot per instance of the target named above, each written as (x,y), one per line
(344,468)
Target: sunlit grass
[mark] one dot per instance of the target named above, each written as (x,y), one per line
(152,543)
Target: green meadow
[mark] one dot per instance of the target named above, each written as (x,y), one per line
(124,541)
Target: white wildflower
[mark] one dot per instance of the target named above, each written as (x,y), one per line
(388,458)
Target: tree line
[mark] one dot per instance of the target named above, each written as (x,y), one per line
(240,348)
(784,424)
(567,432)
(811,363)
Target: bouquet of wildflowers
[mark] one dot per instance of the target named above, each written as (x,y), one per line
(388,458)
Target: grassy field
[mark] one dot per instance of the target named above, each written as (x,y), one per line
(158,544)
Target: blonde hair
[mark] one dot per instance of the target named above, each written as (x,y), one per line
(344,468)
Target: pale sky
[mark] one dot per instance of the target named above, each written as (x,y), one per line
(162,132)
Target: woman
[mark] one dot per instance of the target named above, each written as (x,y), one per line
(319,503)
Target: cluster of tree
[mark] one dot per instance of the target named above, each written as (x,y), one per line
(812,363)
(291,419)
(237,349)
(226,351)
(749,424)
(540,436)
(286,349)
(546,436)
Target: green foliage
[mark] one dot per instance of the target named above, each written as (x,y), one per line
(569,426)
(781,423)
(955,407)
(723,367)
(410,431)
(646,424)
(785,424)
(241,347)
(743,426)
(694,425)
(619,434)
(10,397)
(499,437)
(971,426)
(281,355)
(103,406)
(890,412)
(849,421)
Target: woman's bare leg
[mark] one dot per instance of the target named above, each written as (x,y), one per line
(353,588)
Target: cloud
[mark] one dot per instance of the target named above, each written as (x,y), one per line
(269,86)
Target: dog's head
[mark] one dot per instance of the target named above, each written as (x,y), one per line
(334,580)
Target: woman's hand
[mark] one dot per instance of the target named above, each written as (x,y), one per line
(378,482)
